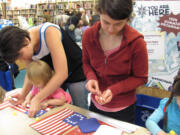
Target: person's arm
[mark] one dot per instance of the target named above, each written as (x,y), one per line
(28,99)
(152,121)
(25,90)
(27,86)
(53,40)
(88,71)
(139,69)
(92,82)
(155,117)
(53,102)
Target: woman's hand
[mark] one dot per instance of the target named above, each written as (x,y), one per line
(44,105)
(162,133)
(35,106)
(17,99)
(105,97)
(93,87)
(26,102)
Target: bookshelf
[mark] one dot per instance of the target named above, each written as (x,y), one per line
(1,12)
(53,8)
(50,9)
(12,14)
(3,8)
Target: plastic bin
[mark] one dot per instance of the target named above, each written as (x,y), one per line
(145,106)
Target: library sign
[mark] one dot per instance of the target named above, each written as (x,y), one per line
(159,22)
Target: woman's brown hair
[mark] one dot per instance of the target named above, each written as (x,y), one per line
(116,9)
(12,39)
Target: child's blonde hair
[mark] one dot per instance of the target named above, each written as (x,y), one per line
(2,94)
(39,70)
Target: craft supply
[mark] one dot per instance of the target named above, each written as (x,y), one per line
(14,113)
(172,132)
(54,124)
(107,130)
(89,125)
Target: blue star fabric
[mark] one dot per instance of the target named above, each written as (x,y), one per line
(89,125)
(74,119)
(39,113)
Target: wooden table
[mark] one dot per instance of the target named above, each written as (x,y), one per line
(15,125)
(18,124)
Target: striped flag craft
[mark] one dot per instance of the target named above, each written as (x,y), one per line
(58,123)
(77,130)
(6,104)
(39,113)
(20,108)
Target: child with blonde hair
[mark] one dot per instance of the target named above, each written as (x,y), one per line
(2,94)
(169,110)
(39,73)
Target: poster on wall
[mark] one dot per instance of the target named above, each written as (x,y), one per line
(159,22)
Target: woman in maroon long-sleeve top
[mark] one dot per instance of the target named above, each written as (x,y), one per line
(115,61)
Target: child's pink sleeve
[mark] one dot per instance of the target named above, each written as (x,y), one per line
(59,93)
(34,90)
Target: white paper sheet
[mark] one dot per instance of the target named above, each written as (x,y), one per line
(107,130)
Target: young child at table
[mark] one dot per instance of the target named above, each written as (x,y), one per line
(169,110)
(39,73)
(2,94)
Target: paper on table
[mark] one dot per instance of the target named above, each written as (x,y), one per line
(107,130)
(127,127)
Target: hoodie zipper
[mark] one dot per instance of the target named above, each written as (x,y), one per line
(105,61)
(103,75)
